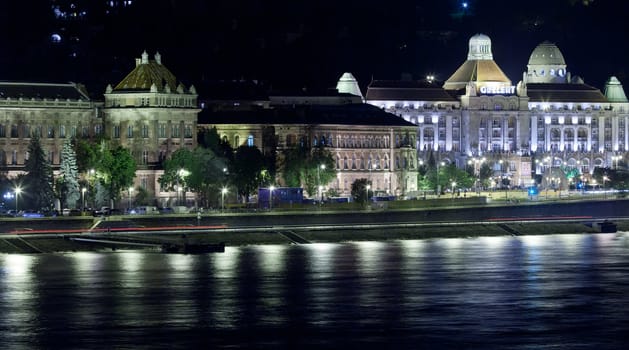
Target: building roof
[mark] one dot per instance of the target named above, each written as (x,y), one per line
(614,91)
(544,92)
(348,84)
(547,54)
(69,91)
(476,71)
(352,114)
(392,90)
(146,74)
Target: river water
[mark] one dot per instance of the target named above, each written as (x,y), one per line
(530,292)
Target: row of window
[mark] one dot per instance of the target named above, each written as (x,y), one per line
(163,131)
(61,131)
(352,163)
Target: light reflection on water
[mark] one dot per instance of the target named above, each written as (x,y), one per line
(555,291)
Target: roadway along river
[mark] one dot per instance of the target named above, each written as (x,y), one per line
(529,292)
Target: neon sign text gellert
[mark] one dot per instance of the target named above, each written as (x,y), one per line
(497,90)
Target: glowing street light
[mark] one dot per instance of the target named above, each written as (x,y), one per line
(18,190)
(223,192)
(322,167)
(272,188)
(83,198)
(367,188)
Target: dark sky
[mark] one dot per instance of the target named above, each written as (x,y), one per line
(297,43)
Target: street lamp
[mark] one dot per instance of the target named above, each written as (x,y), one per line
(322,167)
(453,185)
(438,184)
(605,178)
(223,192)
(367,193)
(272,188)
(18,190)
(83,198)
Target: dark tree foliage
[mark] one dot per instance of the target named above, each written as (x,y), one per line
(121,171)
(360,192)
(200,171)
(38,181)
(248,170)
(209,138)
(308,168)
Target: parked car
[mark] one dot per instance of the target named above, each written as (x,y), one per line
(32,214)
(101,212)
(166,210)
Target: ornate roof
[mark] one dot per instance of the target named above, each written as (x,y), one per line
(547,54)
(614,91)
(146,74)
(475,71)
(348,84)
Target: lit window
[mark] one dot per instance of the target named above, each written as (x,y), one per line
(250,141)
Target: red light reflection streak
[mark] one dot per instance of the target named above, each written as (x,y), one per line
(542,218)
(119,229)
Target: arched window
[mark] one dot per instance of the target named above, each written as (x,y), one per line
(236,140)
(250,141)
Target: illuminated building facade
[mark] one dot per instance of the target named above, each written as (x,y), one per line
(365,141)
(54,112)
(549,119)
(148,112)
(152,115)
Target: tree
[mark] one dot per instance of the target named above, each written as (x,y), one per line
(176,169)
(118,170)
(69,176)
(210,139)
(207,176)
(360,192)
(38,180)
(484,174)
(309,169)
(248,170)
(200,171)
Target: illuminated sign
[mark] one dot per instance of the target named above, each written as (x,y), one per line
(497,90)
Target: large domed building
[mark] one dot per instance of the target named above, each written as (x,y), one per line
(549,119)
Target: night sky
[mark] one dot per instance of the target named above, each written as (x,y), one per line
(301,43)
